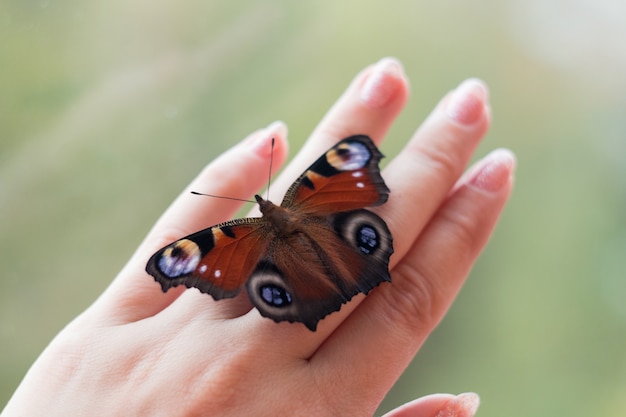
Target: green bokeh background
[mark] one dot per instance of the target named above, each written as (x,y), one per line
(108,109)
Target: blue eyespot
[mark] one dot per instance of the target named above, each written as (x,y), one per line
(367,239)
(275,296)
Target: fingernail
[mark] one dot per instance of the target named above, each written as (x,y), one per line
(469,401)
(261,141)
(468,101)
(463,405)
(380,86)
(277,128)
(495,170)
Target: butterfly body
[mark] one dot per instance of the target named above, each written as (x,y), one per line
(303,259)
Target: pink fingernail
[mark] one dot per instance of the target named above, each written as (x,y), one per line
(261,141)
(495,170)
(470,402)
(467,103)
(379,87)
(463,405)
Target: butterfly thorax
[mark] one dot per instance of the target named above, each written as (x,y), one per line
(284,221)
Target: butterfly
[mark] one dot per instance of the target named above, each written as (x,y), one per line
(303,259)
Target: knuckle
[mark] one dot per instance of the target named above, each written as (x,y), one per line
(410,305)
(443,161)
(423,287)
(460,230)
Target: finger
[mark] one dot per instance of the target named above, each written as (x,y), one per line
(368,106)
(400,316)
(238,173)
(439,405)
(422,175)
(433,160)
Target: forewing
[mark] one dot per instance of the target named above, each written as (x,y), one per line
(216,260)
(346,177)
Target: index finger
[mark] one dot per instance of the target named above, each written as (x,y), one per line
(239,172)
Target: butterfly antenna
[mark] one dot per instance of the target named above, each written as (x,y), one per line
(269,178)
(221,196)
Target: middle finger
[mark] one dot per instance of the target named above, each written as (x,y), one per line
(369,106)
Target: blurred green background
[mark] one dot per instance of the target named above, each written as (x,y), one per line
(108,109)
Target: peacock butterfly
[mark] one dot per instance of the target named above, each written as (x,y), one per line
(303,259)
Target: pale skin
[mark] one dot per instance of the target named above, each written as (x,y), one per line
(139,352)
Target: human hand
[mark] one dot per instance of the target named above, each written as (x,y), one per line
(138,351)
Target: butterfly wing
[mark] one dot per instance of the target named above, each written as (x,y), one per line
(313,272)
(344,178)
(217,260)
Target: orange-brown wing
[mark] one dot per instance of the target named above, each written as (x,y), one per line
(346,177)
(217,260)
(310,274)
